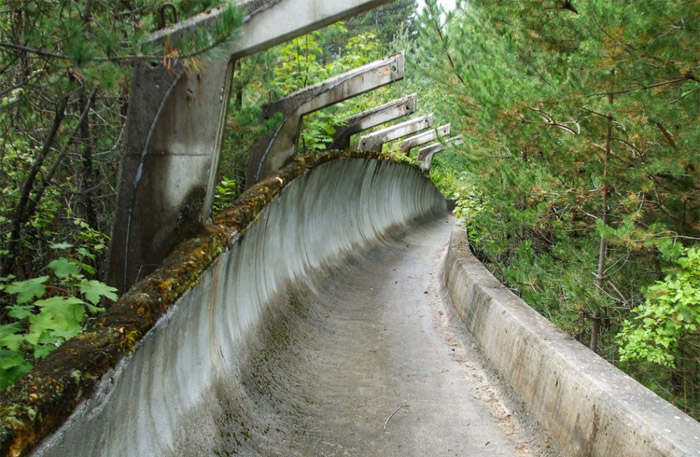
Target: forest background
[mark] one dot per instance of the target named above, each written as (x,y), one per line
(577,181)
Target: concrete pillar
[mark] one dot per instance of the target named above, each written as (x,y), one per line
(372,118)
(174,131)
(375,140)
(425,155)
(424,138)
(272,151)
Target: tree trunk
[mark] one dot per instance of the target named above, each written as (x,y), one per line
(87,179)
(603,247)
(20,215)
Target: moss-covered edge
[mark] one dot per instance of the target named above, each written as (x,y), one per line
(43,399)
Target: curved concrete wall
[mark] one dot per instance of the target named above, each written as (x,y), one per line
(591,407)
(166,398)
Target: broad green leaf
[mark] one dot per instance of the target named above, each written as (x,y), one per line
(95,290)
(11,336)
(12,367)
(42,350)
(85,252)
(59,318)
(20,311)
(87,268)
(64,268)
(60,245)
(29,289)
(10,359)
(54,303)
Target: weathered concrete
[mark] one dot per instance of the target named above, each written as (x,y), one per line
(426,154)
(375,140)
(174,131)
(423,138)
(372,118)
(276,339)
(591,407)
(272,151)
(42,400)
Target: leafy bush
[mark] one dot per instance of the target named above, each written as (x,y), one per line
(44,312)
(665,330)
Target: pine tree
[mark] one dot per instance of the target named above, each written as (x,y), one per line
(385,22)
(580,120)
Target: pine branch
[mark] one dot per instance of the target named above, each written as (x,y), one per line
(687,77)
(443,41)
(666,135)
(115,59)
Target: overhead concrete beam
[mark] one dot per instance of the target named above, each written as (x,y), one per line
(372,118)
(375,140)
(424,138)
(270,22)
(425,155)
(272,151)
(175,127)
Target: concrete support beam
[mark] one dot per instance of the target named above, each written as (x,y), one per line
(425,155)
(270,22)
(174,131)
(424,138)
(375,140)
(272,151)
(372,118)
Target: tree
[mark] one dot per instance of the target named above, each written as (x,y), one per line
(580,128)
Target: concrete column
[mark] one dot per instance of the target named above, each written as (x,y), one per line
(424,138)
(372,118)
(375,140)
(272,151)
(174,131)
(425,155)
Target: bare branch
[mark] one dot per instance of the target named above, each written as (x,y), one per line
(682,79)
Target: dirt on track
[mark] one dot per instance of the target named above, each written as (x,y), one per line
(373,362)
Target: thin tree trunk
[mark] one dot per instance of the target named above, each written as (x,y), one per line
(87,179)
(20,215)
(238,85)
(59,160)
(603,247)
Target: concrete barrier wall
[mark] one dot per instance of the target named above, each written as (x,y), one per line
(590,407)
(186,373)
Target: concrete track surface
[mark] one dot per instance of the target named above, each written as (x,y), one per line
(372,363)
(367,359)
(322,331)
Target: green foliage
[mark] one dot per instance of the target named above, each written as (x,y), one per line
(205,41)
(226,193)
(663,336)
(666,327)
(44,312)
(387,21)
(580,127)
(66,66)
(300,64)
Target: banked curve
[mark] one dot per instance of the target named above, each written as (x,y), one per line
(173,337)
